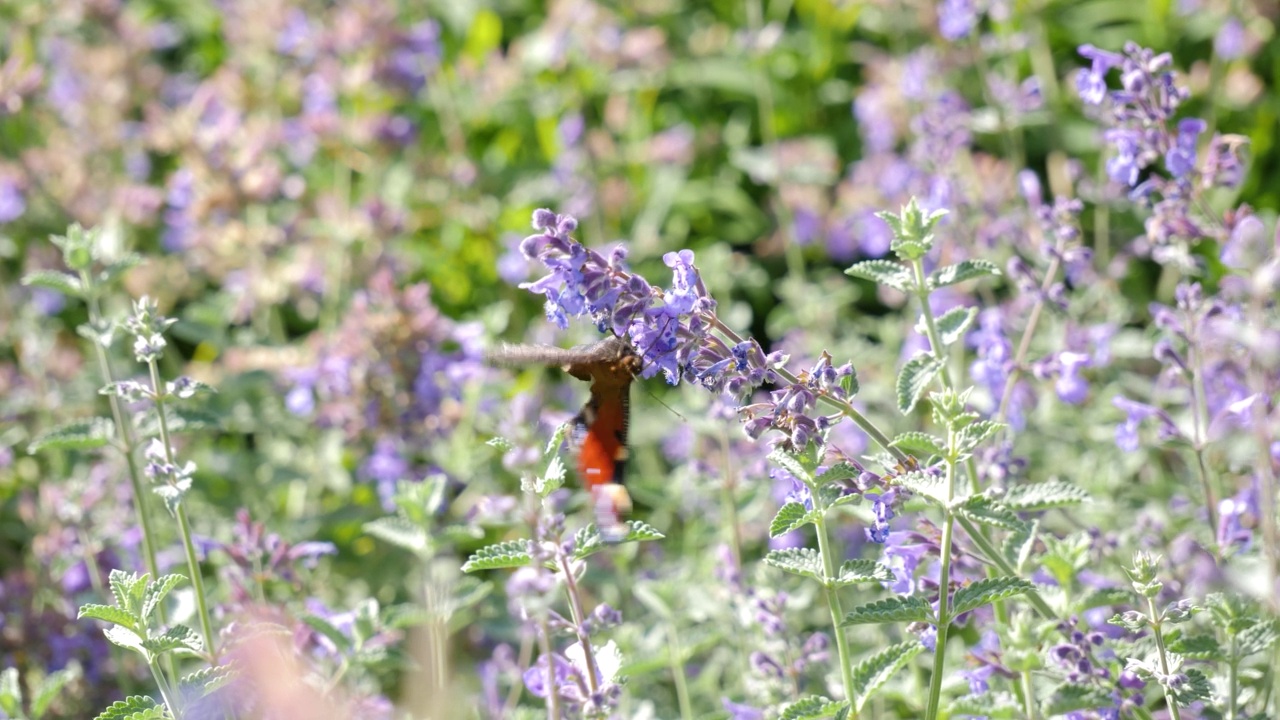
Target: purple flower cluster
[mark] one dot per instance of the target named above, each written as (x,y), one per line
(1139,124)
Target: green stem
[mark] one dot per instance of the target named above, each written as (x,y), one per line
(552,698)
(1162,655)
(677,673)
(1233,678)
(944,595)
(1199,419)
(575,608)
(184,524)
(833,605)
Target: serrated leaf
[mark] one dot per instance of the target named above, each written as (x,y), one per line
(801,465)
(904,608)
(1198,647)
(860,571)
(107,613)
(813,707)
(135,707)
(919,443)
(176,638)
(75,435)
(64,283)
(157,590)
(994,705)
(988,590)
(641,532)
(1104,597)
(329,630)
(119,267)
(1073,698)
(49,690)
(400,532)
(126,638)
(1257,638)
(500,443)
(1195,689)
(838,472)
(798,561)
(180,420)
(509,554)
(953,324)
(914,379)
(1045,495)
(976,433)
(883,272)
(209,679)
(986,511)
(790,516)
(1019,544)
(931,487)
(871,674)
(961,271)
(127,588)
(588,541)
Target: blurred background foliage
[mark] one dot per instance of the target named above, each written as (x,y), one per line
(298,174)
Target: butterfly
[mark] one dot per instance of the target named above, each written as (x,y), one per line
(610,365)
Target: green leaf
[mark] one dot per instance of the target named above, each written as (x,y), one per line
(914,379)
(156,591)
(588,541)
(883,272)
(641,532)
(118,268)
(180,420)
(1073,698)
(329,630)
(961,271)
(135,707)
(1043,496)
(790,516)
(1198,647)
(1104,597)
(500,443)
(975,433)
(399,532)
(798,561)
(1196,688)
(509,554)
(931,487)
(209,679)
(903,608)
(108,613)
(65,283)
(813,707)
(860,571)
(1257,638)
(75,435)
(986,511)
(986,591)
(11,692)
(952,324)
(127,588)
(871,674)
(839,472)
(126,638)
(996,705)
(1019,544)
(801,465)
(919,443)
(177,638)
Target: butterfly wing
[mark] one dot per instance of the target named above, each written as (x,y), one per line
(602,455)
(610,365)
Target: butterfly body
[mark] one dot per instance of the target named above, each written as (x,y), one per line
(610,366)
